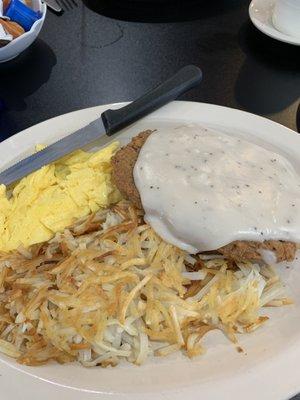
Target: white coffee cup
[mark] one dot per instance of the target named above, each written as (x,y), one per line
(286,17)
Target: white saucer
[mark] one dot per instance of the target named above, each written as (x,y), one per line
(260,12)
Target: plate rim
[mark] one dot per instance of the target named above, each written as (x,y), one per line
(116,105)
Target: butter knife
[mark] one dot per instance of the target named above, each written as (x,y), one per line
(110,122)
(53,4)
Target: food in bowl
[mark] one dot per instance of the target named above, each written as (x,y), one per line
(131,278)
(10,30)
(16,18)
(5,37)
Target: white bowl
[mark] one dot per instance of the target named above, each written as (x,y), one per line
(15,47)
(286,17)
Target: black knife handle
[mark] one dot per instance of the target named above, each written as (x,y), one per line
(185,79)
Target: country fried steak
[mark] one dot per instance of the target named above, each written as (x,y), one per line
(122,168)
(122,172)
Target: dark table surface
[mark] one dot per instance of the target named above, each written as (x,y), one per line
(83,58)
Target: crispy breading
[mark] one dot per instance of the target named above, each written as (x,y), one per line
(241,250)
(122,168)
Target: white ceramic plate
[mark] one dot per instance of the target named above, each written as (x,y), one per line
(268,370)
(260,12)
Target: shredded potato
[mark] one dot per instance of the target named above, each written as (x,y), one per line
(109,289)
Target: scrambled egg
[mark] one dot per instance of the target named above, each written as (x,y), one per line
(52,198)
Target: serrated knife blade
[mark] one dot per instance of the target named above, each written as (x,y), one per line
(53,152)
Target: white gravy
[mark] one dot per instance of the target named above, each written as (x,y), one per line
(203,189)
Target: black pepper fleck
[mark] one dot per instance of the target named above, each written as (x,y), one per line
(260,191)
(151,187)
